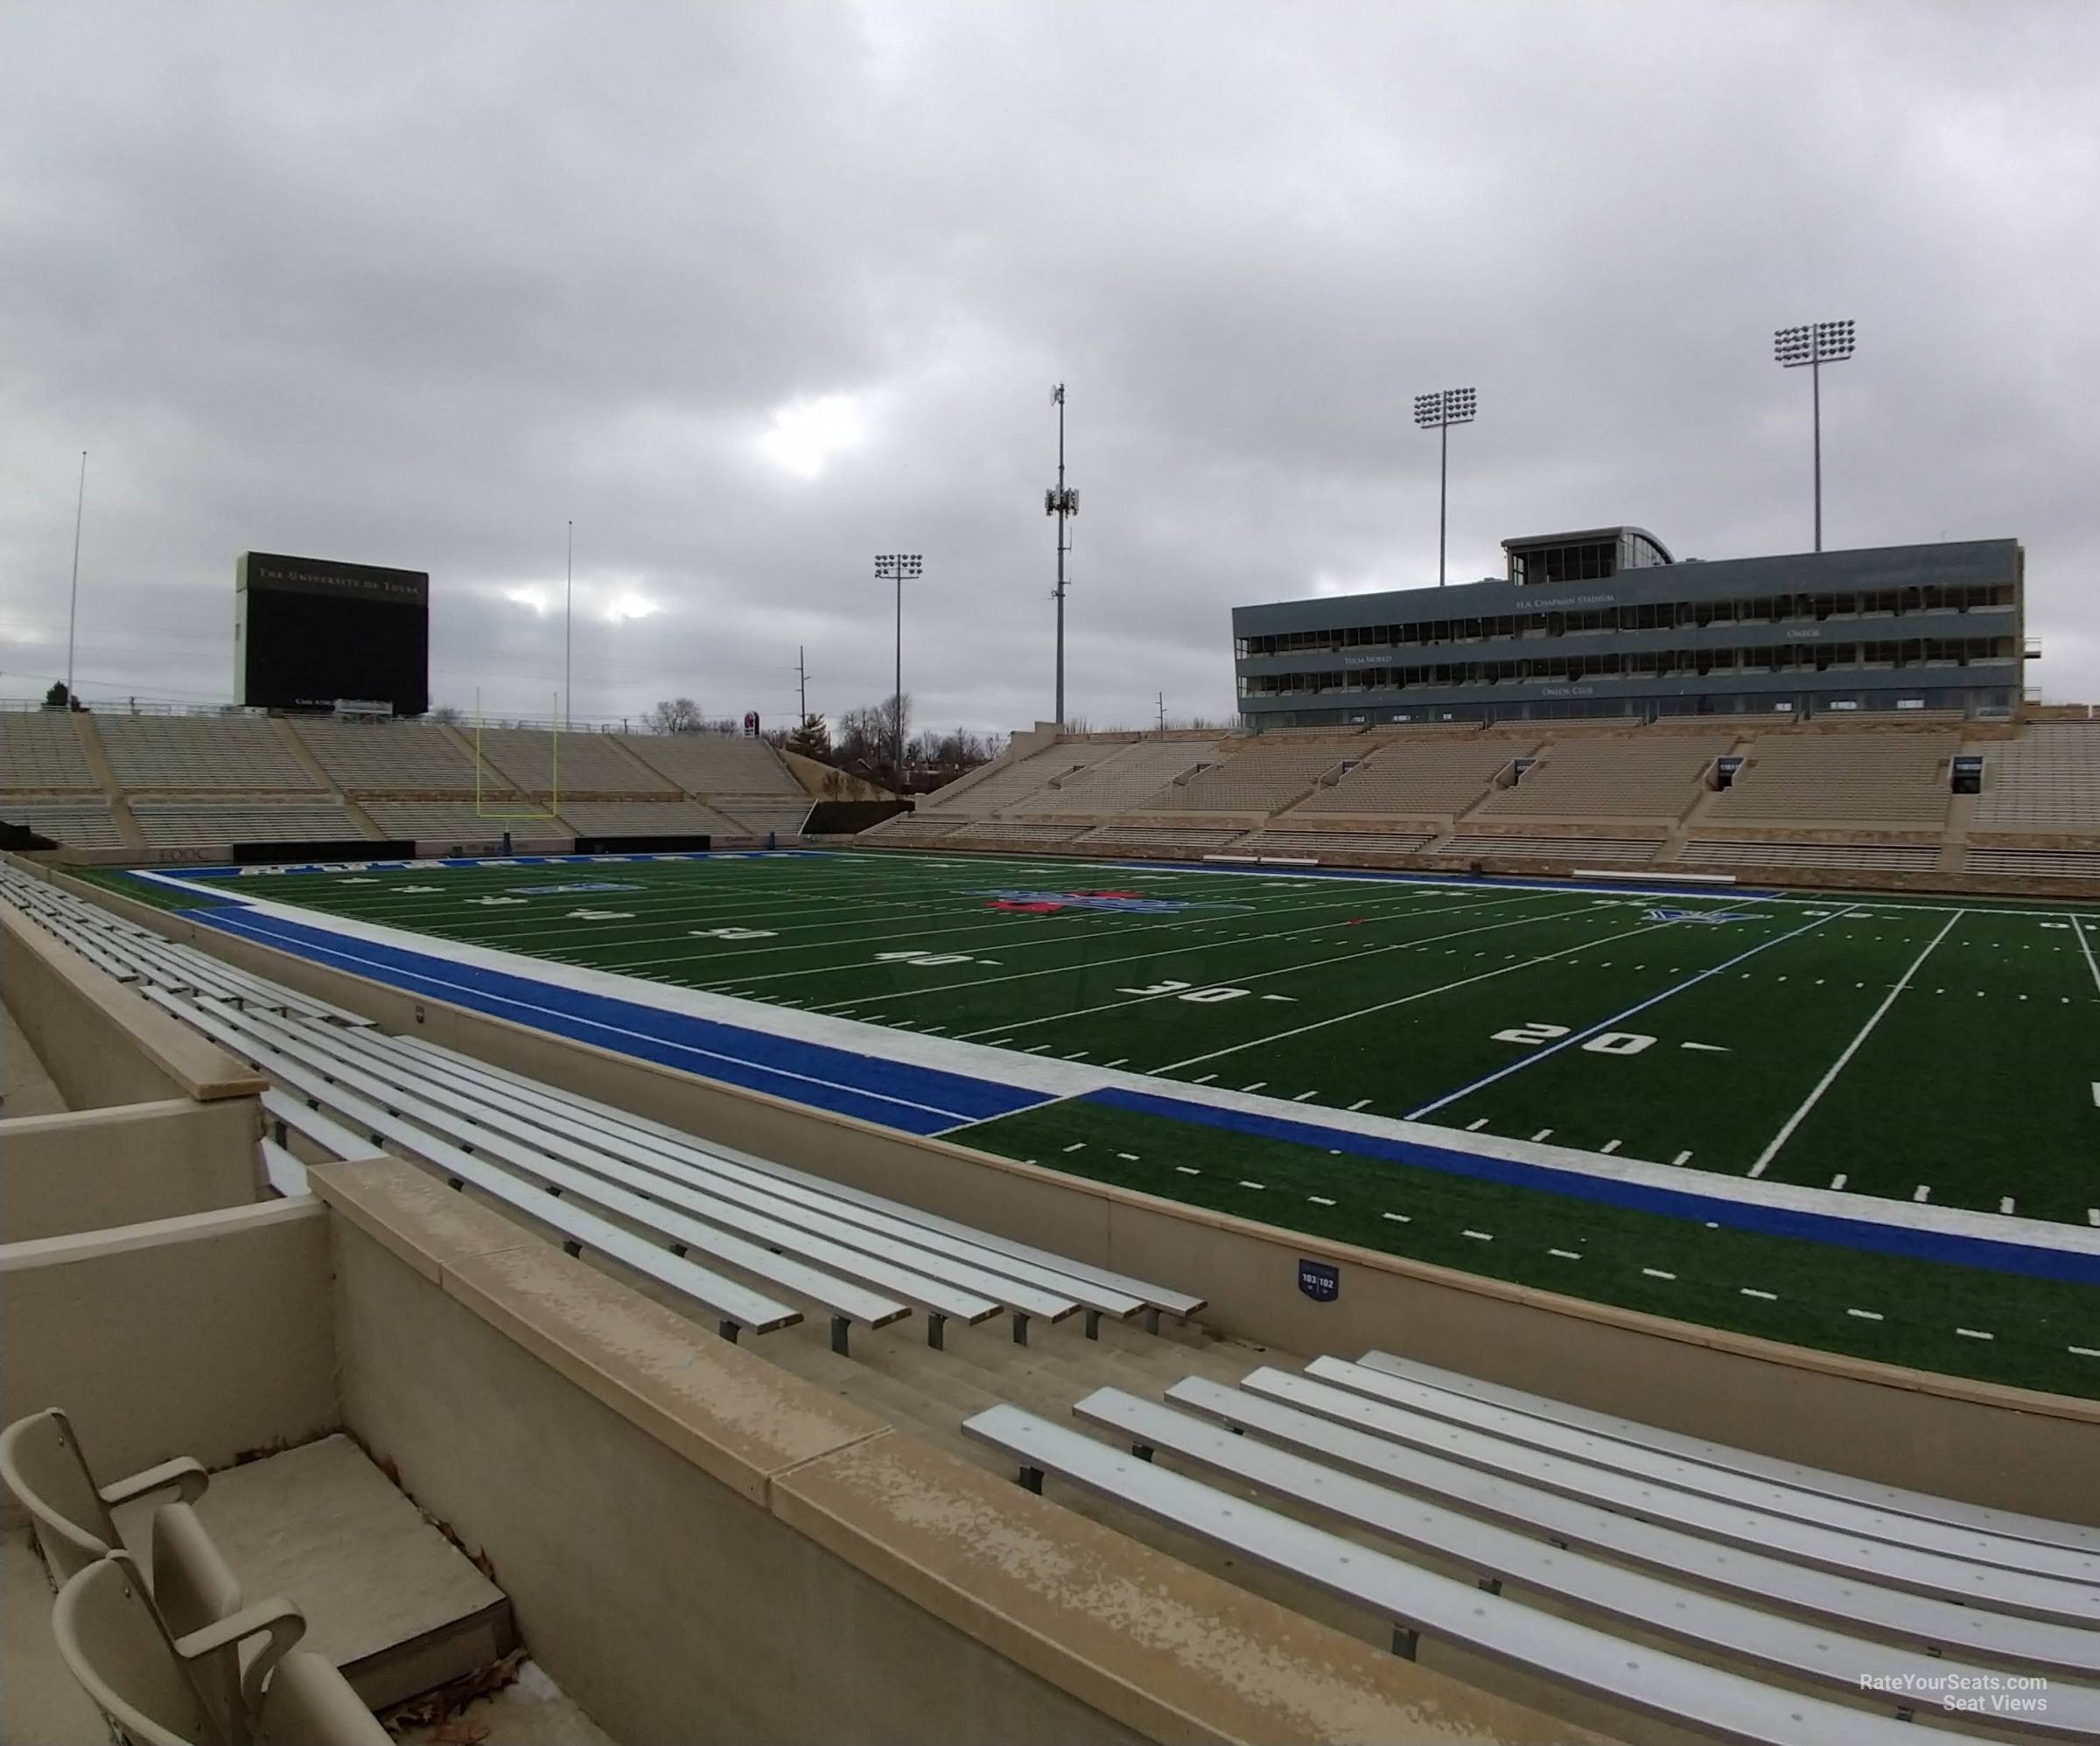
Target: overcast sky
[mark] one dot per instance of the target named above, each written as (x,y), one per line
(753,293)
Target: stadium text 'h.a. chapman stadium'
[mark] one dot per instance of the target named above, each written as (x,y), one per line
(1546,1187)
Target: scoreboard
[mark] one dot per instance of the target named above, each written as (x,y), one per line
(310,633)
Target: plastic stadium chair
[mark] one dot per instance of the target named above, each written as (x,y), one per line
(143,1679)
(41,1464)
(309,1703)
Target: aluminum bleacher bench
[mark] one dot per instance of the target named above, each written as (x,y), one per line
(1708,1624)
(287,1113)
(2008,1523)
(1855,1602)
(734,1306)
(1022,1287)
(1840,1514)
(283,1172)
(1805,1542)
(1098,1289)
(1680,1692)
(654,1202)
(887,1255)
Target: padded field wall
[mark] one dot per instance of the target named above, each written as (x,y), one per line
(1932,882)
(2010,1448)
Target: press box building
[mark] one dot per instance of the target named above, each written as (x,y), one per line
(1604,622)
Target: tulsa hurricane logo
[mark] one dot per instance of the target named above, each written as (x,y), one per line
(1129,902)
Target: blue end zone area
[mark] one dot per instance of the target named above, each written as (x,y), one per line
(893,1095)
(1856,1233)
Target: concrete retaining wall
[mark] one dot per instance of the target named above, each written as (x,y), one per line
(699,1546)
(206,1336)
(89,1168)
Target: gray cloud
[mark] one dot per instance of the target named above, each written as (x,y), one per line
(416,285)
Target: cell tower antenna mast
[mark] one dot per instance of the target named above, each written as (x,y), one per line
(801,674)
(72,604)
(1063,503)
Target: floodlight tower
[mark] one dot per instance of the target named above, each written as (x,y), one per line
(1438,412)
(898,567)
(1815,345)
(1064,504)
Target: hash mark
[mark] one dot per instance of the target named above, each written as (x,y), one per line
(1542,1133)
(1398,1218)
(1681,1158)
(1360,1103)
(1924,1192)
(1752,1291)
(1128,1158)
(1320,1200)
(1475,1126)
(1479,1236)
(1609,1146)
(1975,1334)
(1188,1169)
(1565,1254)
(1253,1185)
(1077,1146)
(1867,1314)
(1838,1180)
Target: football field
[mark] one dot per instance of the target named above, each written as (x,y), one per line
(1913,1053)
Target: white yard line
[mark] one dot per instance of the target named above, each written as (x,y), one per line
(1298,968)
(1575,1037)
(2086,946)
(1422,994)
(1850,1049)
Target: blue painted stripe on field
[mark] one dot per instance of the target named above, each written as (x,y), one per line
(895,1094)
(1818,1227)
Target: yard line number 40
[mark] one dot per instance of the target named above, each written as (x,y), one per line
(1607,1043)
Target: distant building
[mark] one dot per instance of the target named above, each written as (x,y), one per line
(1604,622)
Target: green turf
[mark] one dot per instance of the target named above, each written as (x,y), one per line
(1806,1291)
(1582,1016)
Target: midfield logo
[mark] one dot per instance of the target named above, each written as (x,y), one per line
(579,889)
(1130,902)
(1702,918)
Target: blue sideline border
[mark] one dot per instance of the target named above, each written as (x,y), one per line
(1774,1221)
(922,1100)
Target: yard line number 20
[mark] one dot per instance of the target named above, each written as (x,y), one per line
(1607,1043)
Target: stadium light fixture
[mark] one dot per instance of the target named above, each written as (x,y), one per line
(1062,502)
(898,567)
(1438,412)
(1814,344)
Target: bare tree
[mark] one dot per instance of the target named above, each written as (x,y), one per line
(673,715)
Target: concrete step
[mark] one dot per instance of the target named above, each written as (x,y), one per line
(388,1597)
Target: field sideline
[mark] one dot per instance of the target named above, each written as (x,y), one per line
(1932,1053)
